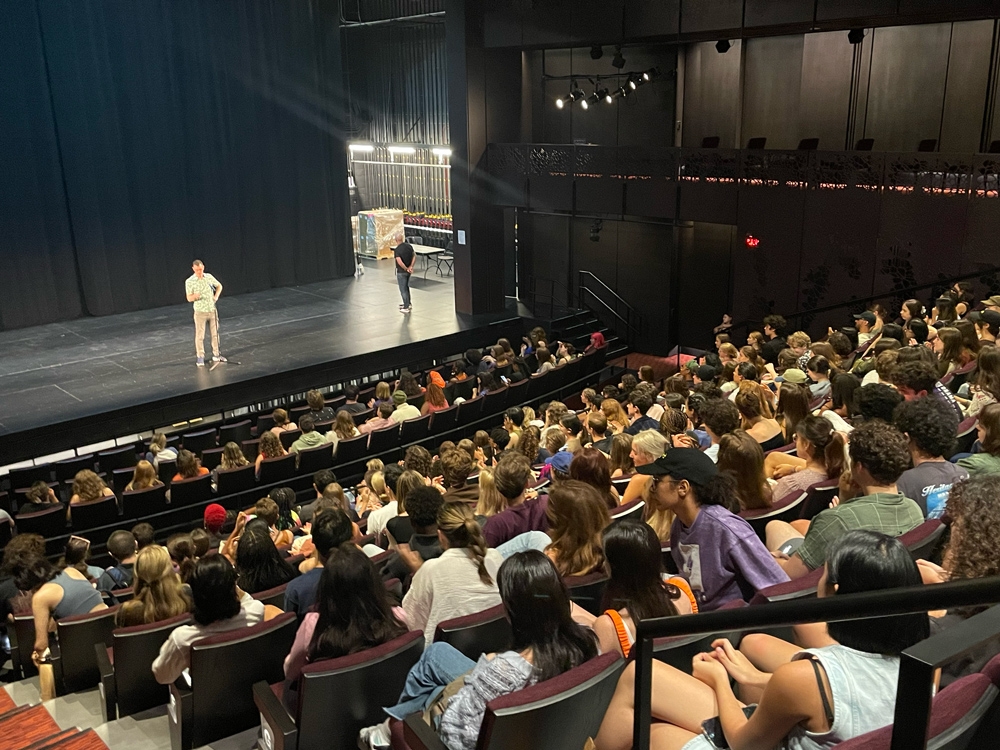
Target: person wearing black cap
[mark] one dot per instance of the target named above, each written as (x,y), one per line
(987,325)
(716,550)
(865,324)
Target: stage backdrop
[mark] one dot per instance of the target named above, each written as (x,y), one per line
(136,136)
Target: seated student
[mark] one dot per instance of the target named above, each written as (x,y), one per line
(281,422)
(741,456)
(460,582)
(512,478)
(158,594)
(76,555)
(201,541)
(930,427)
(188,466)
(819,455)
(144,534)
(435,399)
(423,504)
(89,488)
(974,510)
(592,467)
(122,547)
(636,588)
(351,405)
(54,594)
(456,466)
(578,516)
(143,477)
(377,519)
(717,551)
(330,529)
(269,447)
(218,606)
(232,458)
(984,382)
(513,418)
(753,403)
(343,429)
(546,643)
(398,529)
(159,450)
(268,511)
(839,406)
(876,402)
(321,479)
(597,429)
(640,401)
(39,497)
(259,567)
(352,613)
(916,378)
(11,598)
(403,410)
(318,409)
(647,446)
(310,437)
(879,456)
(381,420)
(806,698)
(180,547)
(987,461)
(720,417)
(619,455)
(213,520)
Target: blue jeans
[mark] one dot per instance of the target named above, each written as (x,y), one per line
(522,542)
(440,664)
(403,280)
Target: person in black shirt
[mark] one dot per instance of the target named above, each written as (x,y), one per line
(351,405)
(39,497)
(404,257)
(774,326)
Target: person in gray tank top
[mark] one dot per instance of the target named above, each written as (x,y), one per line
(54,594)
(843,689)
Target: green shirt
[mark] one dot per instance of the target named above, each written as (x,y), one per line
(889,513)
(980,463)
(204,287)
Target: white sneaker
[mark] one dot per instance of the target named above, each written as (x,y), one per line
(219,358)
(404,309)
(200,362)
(377,737)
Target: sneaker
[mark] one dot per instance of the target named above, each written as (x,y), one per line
(376,737)
(219,358)
(200,362)
(404,309)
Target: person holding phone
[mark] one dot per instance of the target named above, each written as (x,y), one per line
(204,290)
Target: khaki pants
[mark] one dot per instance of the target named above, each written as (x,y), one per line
(200,318)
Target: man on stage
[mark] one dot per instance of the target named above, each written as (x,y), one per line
(203,289)
(404,258)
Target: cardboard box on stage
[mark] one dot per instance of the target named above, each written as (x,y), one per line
(377,231)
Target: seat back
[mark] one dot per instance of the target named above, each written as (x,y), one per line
(362,416)
(808,144)
(120,478)
(26,476)
(117,458)
(679,651)
(864,144)
(198,441)
(224,668)
(922,540)
(45,523)
(139,503)
(288,437)
(485,632)
(92,515)
(818,498)
(264,423)
(517,393)
(414,430)
(77,636)
(442,421)
(461,389)
(558,714)
(537,385)
(275,597)
(211,458)
(966,437)
(166,469)
(631,510)
(66,470)
(278,469)
(352,449)
(786,509)
(338,697)
(22,643)
(380,441)
(190,491)
(469,411)
(495,402)
(800,588)
(231,481)
(587,591)
(134,649)
(236,432)
(315,459)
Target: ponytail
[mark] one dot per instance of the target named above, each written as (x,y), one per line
(833,455)
(459,525)
(828,444)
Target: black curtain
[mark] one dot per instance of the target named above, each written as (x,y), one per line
(191,129)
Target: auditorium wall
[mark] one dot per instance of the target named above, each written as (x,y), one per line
(134,138)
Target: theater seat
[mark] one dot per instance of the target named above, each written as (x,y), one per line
(127,682)
(45,523)
(587,591)
(279,469)
(92,515)
(631,510)
(818,498)
(558,714)
(485,632)
(275,597)
(786,509)
(218,702)
(922,540)
(336,698)
(679,651)
(800,588)
(76,666)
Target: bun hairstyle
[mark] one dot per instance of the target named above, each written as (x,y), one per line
(460,528)
(827,443)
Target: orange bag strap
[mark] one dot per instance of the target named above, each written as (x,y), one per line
(682,583)
(621,630)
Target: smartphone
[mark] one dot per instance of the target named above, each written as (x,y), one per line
(504,380)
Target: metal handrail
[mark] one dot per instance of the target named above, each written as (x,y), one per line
(618,297)
(611,310)
(862,606)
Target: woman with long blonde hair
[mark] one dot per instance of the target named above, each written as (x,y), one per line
(159,593)
(232,457)
(491,501)
(143,477)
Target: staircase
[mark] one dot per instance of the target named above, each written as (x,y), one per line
(575,328)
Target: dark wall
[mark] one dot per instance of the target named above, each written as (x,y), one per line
(158,133)
(901,85)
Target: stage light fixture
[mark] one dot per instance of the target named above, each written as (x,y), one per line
(634,81)
(618,61)
(576,93)
(856,36)
(596,52)
(621,93)
(723,46)
(561,102)
(364,148)
(401,150)
(606,96)
(649,75)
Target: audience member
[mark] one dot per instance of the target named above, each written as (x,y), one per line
(143,477)
(144,534)
(351,405)
(213,520)
(281,422)
(398,529)
(232,458)
(201,541)
(792,408)
(456,467)
(259,567)
(268,447)
(774,325)
(987,461)
(756,417)
(381,420)
(916,379)
(741,456)
(39,497)
(310,437)
(330,529)
(181,550)
(403,410)
(618,420)
(590,466)
(159,450)
(318,409)
(268,511)
(647,446)
(121,547)
(512,477)
(620,455)
(158,591)
(377,519)
(490,501)
(819,456)
(718,552)
(720,417)
(818,371)
(577,516)
(930,427)
(90,488)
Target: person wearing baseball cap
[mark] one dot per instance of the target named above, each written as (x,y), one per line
(865,324)
(993,303)
(716,550)
(987,325)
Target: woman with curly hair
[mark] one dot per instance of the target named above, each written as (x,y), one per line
(577,516)
(528,443)
(89,488)
(159,593)
(259,566)
(269,447)
(435,400)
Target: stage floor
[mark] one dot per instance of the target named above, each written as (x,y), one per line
(62,371)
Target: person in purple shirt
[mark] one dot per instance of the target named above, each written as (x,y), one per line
(716,550)
(512,477)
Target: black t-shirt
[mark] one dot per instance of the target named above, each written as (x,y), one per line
(36,507)
(400,528)
(404,251)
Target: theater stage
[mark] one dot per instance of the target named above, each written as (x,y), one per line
(68,384)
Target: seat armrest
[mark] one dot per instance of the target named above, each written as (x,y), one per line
(419,735)
(278,730)
(108,685)
(180,714)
